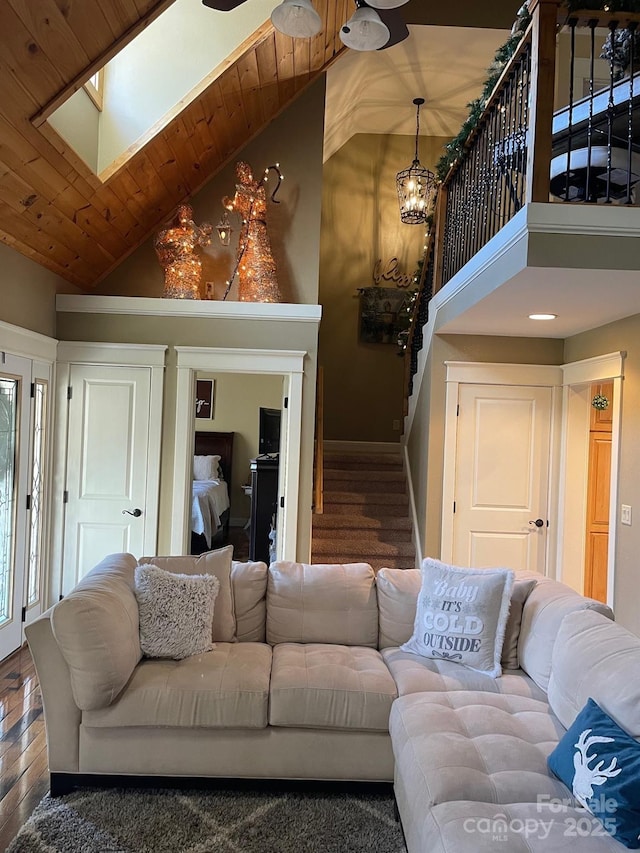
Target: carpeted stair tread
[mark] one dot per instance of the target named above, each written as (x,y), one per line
(375,562)
(368,461)
(377,498)
(373,510)
(365,475)
(361,549)
(367,487)
(368,521)
(362,535)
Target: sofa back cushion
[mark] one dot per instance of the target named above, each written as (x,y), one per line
(544,610)
(249,582)
(217,563)
(96,628)
(397,599)
(594,658)
(322,604)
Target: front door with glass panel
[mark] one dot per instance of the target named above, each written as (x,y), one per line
(24,451)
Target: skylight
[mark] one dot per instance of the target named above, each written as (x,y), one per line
(152,79)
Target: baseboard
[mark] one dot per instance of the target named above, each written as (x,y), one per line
(412,507)
(238,522)
(362,446)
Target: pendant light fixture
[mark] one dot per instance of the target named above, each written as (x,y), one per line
(415,185)
(296,18)
(365,30)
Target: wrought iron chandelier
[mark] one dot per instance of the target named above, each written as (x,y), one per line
(415,185)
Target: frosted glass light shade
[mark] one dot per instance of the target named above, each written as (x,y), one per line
(296,18)
(365,30)
(386,4)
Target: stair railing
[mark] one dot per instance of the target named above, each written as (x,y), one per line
(318,478)
(419,319)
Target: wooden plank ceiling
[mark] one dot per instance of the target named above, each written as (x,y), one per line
(53,209)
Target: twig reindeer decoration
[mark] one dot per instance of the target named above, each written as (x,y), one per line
(585,776)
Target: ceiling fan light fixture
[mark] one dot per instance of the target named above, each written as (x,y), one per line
(296,18)
(386,4)
(365,30)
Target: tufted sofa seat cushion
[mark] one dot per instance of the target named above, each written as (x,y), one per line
(516,828)
(225,688)
(415,674)
(470,745)
(330,687)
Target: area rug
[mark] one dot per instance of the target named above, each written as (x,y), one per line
(247,821)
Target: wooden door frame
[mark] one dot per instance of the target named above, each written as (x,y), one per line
(572,497)
(485,373)
(286,363)
(103,354)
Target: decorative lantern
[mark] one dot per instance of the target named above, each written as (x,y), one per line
(415,185)
(224,229)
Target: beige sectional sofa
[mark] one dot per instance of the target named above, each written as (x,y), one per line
(310,684)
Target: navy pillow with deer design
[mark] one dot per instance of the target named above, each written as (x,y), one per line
(600,763)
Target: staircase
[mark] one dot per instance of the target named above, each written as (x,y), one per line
(366,512)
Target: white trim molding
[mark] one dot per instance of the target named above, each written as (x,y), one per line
(287,363)
(490,373)
(210,308)
(125,355)
(228,360)
(24,342)
(595,369)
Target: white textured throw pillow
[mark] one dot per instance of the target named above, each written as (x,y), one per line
(176,612)
(461,615)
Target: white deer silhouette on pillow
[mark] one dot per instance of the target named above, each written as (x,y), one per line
(586,776)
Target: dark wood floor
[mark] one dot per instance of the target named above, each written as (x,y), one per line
(24,779)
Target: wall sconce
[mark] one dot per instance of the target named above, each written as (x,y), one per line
(415,185)
(224,229)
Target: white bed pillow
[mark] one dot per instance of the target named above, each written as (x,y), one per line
(461,615)
(176,612)
(206,467)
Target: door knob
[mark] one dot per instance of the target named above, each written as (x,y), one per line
(538,522)
(136,513)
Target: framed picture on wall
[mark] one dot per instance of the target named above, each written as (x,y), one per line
(205,390)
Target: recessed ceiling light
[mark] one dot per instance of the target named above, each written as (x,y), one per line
(542,316)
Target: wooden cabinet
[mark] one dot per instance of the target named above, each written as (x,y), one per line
(264,504)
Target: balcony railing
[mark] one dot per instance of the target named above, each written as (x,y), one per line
(561,125)
(523,149)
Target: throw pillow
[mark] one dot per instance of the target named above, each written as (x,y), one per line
(519,594)
(216,563)
(461,615)
(600,762)
(176,612)
(206,467)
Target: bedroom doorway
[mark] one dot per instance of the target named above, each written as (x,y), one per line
(239,422)
(287,368)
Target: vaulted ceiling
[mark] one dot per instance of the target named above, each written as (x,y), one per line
(53,209)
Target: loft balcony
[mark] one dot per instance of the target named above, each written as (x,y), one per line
(539,212)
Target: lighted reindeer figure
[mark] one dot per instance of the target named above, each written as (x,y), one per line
(585,776)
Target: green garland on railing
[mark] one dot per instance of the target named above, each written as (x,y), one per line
(454,149)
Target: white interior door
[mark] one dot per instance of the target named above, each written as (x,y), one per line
(501,476)
(107,465)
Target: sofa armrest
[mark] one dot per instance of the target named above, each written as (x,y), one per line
(61,714)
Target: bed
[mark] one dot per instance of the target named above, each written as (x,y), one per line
(210,508)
